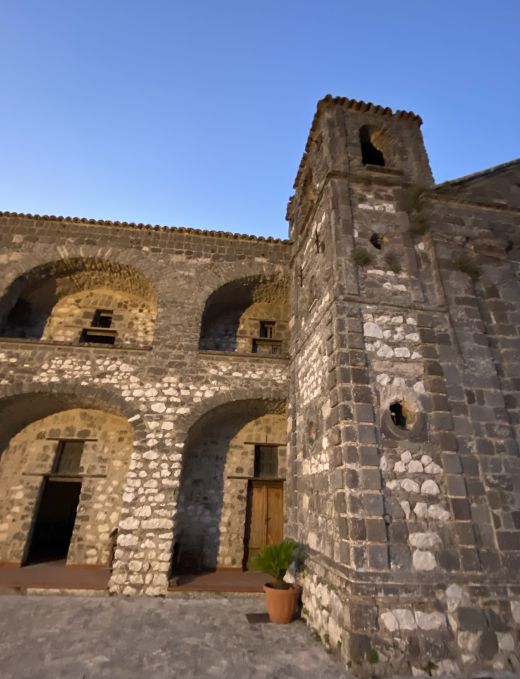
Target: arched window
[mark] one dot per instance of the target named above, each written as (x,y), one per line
(371,146)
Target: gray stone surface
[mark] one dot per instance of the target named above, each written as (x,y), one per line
(58,637)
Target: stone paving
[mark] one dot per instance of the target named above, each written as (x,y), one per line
(79,637)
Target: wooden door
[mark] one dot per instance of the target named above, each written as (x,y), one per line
(265,515)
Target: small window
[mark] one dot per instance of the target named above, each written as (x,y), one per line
(102,318)
(97,336)
(68,458)
(267,329)
(371,155)
(377,241)
(266,462)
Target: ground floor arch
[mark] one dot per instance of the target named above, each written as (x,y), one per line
(61,482)
(231,486)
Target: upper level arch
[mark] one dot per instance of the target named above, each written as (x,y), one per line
(80,300)
(247,315)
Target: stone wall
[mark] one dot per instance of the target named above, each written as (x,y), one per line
(413,564)
(219,463)
(30,457)
(162,389)
(403,473)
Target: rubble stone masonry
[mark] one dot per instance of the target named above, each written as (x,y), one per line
(381,344)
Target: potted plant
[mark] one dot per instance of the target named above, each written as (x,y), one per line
(280,597)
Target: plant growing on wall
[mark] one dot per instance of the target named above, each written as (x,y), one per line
(392,262)
(361,256)
(467,264)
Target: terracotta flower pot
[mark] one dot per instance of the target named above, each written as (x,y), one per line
(281,603)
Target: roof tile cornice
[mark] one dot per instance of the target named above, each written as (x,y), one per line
(146,227)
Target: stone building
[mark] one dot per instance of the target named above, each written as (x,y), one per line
(171,399)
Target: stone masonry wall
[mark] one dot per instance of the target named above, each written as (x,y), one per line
(219,462)
(161,390)
(104,464)
(420,573)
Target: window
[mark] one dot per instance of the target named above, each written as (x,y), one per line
(68,458)
(370,153)
(102,318)
(267,329)
(266,461)
(100,331)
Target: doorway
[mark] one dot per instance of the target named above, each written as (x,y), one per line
(264,516)
(54,521)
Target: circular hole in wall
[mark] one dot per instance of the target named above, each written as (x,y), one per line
(402,414)
(377,241)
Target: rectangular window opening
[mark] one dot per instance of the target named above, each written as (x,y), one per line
(102,318)
(68,458)
(267,329)
(266,462)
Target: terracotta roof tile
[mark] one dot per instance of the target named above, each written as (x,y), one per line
(148,227)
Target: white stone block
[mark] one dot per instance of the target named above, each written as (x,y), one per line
(430,621)
(421,510)
(430,488)
(405,618)
(415,467)
(406,457)
(389,621)
(438,513)
(424,540)
(424,561)
(372,330)
(410,486)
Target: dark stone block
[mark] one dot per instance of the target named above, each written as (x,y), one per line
(376,530)
(400,557)
(471,619)
(451,463)
(368,456)
(460,509)
(371,479)
(378,557)
(449,559)
(357,529)
(488,646)
(456,486)
(508,540)
(469,560)
(373,504)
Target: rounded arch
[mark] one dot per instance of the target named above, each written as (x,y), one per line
(226,324)
(20,406)
(221,450)
(376,145)
(30,297)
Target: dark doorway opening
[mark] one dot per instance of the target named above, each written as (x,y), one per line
(54,521)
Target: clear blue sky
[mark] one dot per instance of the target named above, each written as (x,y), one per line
(196,113)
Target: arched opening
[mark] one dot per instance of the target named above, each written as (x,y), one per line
(62,469)
(374,147)
(80,301)
(249,315)
(231,487)
(377,240)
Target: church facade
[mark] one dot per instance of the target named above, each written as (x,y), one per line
(171,400)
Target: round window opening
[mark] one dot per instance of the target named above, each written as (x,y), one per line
(402,415)
(377,241)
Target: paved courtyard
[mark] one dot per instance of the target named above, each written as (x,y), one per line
(75,637)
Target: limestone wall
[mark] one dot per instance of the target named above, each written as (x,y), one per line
(104,463)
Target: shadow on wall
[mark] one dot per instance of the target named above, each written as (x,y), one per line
(80,300)
(201,499)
